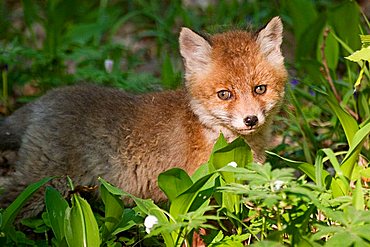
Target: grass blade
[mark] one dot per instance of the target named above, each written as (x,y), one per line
(11,212)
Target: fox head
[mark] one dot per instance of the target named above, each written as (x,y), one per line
(235,79)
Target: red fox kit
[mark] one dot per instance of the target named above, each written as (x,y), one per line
(234,84)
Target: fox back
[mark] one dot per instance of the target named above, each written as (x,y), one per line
(234,84)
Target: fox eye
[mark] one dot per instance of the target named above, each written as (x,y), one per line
(260,89)
(224,94)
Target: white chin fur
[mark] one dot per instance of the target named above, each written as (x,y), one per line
(214,125)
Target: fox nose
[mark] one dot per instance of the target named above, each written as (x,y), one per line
(251,121)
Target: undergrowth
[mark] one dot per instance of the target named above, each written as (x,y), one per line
(313,190)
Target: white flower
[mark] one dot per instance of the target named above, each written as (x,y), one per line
(233,164)
(278,184)
(108,64)
(149,222)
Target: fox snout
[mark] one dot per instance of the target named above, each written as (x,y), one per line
(251,121)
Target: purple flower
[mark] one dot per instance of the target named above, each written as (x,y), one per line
(311,92)
(294,83)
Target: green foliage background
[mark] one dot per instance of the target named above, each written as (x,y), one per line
(314,189)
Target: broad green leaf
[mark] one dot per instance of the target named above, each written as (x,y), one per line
(319,168)
(74,228)
(349,124)
(342,238)
(338,187)
(358,200)
(238,151)
(344,182)
(173,182)
(200,172)
(113,206)
(365,173)
(13,209)
(354,150)
(362,231)
(345,19)
(360,55)
(350,50)
(112,189)
(128,220)
(303,14)
(81,228)
(56,207)
(184,202)
(220,143)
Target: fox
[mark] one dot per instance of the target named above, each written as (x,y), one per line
(234,84)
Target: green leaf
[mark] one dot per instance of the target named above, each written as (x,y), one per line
(303,14)
(349,124)
(240,154)
(112,189)
(358,200)
(354,150)
(56,207)
(306,168)
(344,182)
(173,182)
(319,169)
(195,194)
(36,224)
(113,205)
(232,241)
(340,239)
(238,151)
(360,55)
(220,143)
(81,228)
(200,172)
(169,76)
(13,209)
(147,206)
(365,173)
(128,220)
(365,40)
(345,19)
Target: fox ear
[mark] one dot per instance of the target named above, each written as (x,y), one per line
(195,50)
(270,39)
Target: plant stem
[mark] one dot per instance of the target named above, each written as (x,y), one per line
(4,75)
(326,67)
(328,76)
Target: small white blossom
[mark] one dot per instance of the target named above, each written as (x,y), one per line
(149,222)
(108,64)
(233,164)
(278,184)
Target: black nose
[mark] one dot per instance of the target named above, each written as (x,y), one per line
(251,121)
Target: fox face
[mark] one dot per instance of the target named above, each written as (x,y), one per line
(235,79)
